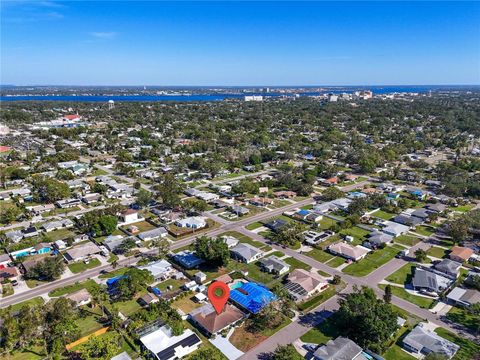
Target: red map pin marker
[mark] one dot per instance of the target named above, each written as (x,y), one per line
(218,293)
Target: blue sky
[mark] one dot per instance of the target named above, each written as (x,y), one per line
(239,43)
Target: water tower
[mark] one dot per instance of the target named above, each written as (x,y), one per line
(111,104)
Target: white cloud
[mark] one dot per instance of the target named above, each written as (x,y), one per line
(104,35)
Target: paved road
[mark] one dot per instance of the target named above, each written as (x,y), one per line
(296,329)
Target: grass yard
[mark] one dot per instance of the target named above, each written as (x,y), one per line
(326,223)
(383,215)
(245,239)
(372,261)
(437,252)
(395,352)
(335,262)
(424,230)
(277,254)
(407,240)
(112,274)
(245,340)
(35,301)
(33,283)
(296,264)
(7,290)
(462,208)
(403,275)
(60,234)
(142,226)
(316,300)
(468,349)
(323,332)
(254,226)
(421,301)
(89,320)
(186,304)
(72,288)
(462,316)
(80,266)
(323,273)
(130,306)
(173,282)
(36,352)
(320,255)
(356,232)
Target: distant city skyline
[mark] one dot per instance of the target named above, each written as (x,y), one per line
(272,44)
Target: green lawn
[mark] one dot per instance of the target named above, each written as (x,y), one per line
(80,266)
(60,234)
(323,273)
(396,353)
(423,230)
(31,353)
(407,240)
(372,261)
(297,264)
(356,232)
(72,288)
(320,255)
(462,208)
(89,320)
(244,239)
(421,301)
(336,262)
(462,316)
(326,223)
(254,226)
(35,301)
(437,252)
(468,349)
(316,300)
(323,332)
(403,275)
(383,215)
(112,274)
(277,254)
(130,306)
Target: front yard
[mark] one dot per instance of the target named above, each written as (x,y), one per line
(403,275)
(81,266)
(372,261)
(423,302)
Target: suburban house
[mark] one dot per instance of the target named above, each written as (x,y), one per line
(4,260)
(313,237)
(394,229)
(276,225)
(81,252)
(274,265)
(147,299)
(112,242)
(230,241)
(284,194)
(80,297)
(40,209)
(437,208)
(245,253)
(239,210)
(260,201)
(8,273)
(194,222)
(464,297)
(252,297)
(460,254)
(426,279)
(207,319)
(129,216)
(163,345)
(302,284)
(377,238)
(161,269)
(153,234)
(67,203)
(187,259)
(340,348)
(38,249)
(448,267)
(348,251)
(56,225)
(423,341)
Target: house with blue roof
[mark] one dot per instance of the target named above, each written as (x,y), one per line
(356,195)
(419,194)
(252,297)
(187,259)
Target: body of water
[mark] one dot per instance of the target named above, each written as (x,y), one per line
(217,97)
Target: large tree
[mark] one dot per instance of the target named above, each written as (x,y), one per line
(49,190)
(169,190)
(212,250)
(286,352)
(133,281)
(51,268)
(364,318)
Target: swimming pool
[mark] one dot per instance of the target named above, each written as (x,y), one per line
(236,285)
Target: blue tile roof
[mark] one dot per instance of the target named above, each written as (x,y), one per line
(252,297)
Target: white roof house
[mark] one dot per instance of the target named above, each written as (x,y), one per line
(163,345)
(160,270)
(194,222)
(394,229)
